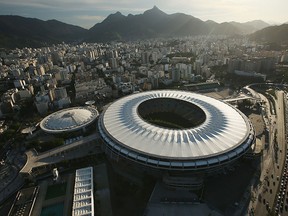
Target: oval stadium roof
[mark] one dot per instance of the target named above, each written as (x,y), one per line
(223,134)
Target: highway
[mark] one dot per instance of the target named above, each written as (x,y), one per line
(273,161)
(61,153)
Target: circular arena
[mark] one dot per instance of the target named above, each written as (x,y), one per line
(68,120)
(175,130)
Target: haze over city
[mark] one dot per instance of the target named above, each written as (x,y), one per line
(87,13)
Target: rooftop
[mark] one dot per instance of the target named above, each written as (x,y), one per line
(83,201)
(223,129)
(70,119)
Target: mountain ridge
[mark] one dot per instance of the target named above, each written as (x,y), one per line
(17,31)
(272,34)
(156,23)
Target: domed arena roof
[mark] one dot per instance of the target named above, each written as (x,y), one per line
(169,126)
(68,120)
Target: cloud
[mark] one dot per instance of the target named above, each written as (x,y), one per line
(96,10)
(70,4)
(28,3)
(90,18)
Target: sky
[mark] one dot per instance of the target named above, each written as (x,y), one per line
(86,13)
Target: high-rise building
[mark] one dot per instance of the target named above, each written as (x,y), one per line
(60,93)
(40,70)
(175,75)
(145,57)
(19,84)
(113,63)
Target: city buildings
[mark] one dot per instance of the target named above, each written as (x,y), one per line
(61,78)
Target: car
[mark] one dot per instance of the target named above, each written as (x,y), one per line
(276,210)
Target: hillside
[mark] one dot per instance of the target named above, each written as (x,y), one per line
(272,34)
(16,31)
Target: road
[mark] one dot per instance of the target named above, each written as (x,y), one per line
(254,94)
(64,152)
(273,161)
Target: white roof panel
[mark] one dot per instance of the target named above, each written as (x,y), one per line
(224,128)
(83,200)
(223,131)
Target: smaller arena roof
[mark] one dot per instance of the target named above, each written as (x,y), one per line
(68,120)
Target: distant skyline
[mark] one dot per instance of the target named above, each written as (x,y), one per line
(86,13)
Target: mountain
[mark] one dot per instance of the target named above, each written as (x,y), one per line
(257,24)
(119,27)
(250,27)
(17,31)
(272,34)
(156,23)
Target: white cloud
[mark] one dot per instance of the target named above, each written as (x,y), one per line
(70,4)
(28,3)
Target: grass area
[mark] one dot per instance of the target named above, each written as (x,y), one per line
(42,146)
(56,190)
(168,120)
(53,210)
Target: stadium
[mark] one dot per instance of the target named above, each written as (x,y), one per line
(171,131)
